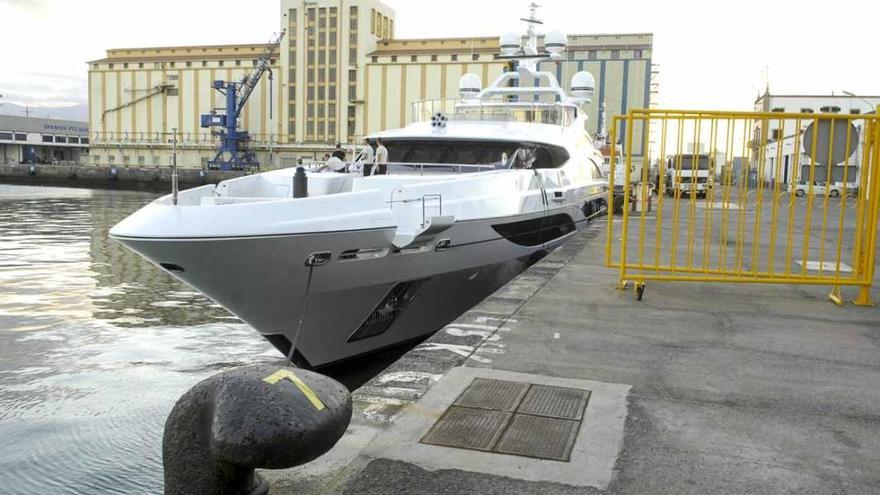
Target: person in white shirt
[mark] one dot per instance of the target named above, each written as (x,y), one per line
(381,158)
(363,161)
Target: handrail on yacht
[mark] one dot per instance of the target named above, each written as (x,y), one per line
(458,167)
(541,112)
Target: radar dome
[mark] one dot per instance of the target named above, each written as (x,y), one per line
(554,42)
(583,84)
(510,43)
(469,86)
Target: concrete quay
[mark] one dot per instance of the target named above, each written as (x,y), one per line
(698,388)
(109,177)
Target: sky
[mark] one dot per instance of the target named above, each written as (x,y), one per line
(711,55)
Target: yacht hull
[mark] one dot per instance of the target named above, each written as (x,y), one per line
(366,296)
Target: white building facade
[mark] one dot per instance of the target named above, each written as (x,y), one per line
(784,155)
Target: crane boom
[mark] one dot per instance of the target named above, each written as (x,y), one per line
(232,152)
(249,82)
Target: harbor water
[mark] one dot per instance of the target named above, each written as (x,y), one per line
(96,345)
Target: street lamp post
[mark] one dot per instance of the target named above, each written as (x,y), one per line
(174,166)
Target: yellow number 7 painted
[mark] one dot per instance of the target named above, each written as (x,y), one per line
(308,392)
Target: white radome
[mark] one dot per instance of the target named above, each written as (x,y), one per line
(583,85)
(555,42)
(469,86)
(510,43)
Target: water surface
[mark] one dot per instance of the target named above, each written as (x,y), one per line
(96,345)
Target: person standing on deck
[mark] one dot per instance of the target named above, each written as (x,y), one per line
(364,158)
(381,158)
(338,153)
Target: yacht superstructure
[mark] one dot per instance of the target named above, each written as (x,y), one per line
(500,175)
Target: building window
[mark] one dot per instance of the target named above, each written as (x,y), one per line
(125,65)
(238,63)
(20,137)
(111,159)
(60,139)
(375,59)
(220,63)
(591,55)
(142,160)
(204,63)
(189,64)
(855,111)
(774,134)
(109,66)
(171,92)
(433,58)
(172,64)
(47,139)
(413,58)
(806,110)
(5,136)
(615,54)
(394,58)
(84,140)
(454,57)
(778,110)
(475,57)
(637,54)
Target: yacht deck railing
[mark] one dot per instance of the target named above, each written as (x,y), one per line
(534,112)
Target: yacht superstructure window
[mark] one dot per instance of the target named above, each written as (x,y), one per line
(450,151)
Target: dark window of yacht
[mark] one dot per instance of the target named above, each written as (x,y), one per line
(472,152)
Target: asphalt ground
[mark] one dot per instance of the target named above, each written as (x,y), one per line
(735,388)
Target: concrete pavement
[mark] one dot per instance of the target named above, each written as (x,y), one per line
(734,388)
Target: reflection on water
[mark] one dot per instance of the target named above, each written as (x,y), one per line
(96,345)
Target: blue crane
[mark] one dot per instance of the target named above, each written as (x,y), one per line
(233,152)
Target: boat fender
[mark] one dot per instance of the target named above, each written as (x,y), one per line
(300,183)
(258,416)
(32,171)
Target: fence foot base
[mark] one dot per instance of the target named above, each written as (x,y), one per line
(835,296)
(640,290)
(864,297)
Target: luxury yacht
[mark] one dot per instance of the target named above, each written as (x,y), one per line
(499,176)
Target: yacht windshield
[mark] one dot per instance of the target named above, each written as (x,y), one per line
(497,153)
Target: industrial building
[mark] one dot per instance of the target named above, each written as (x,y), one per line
(36,140)
(337,75)
(786,133)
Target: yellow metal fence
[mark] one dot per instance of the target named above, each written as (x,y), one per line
(784,198)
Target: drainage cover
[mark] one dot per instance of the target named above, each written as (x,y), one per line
(510,417)
(555,402)
(468,428)
(537,436)
(499,395)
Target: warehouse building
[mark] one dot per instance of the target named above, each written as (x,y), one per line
(36,140)
(337,75)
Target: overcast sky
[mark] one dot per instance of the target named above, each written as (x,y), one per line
(714,55)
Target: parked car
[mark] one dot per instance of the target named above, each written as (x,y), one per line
(821,189)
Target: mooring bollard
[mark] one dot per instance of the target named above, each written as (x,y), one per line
(252,417)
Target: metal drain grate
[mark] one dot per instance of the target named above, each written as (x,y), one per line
(555,402)
(516,418)
(468,428)
(499,395)
(537,436)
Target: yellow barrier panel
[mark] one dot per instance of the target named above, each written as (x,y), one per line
(766,197)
